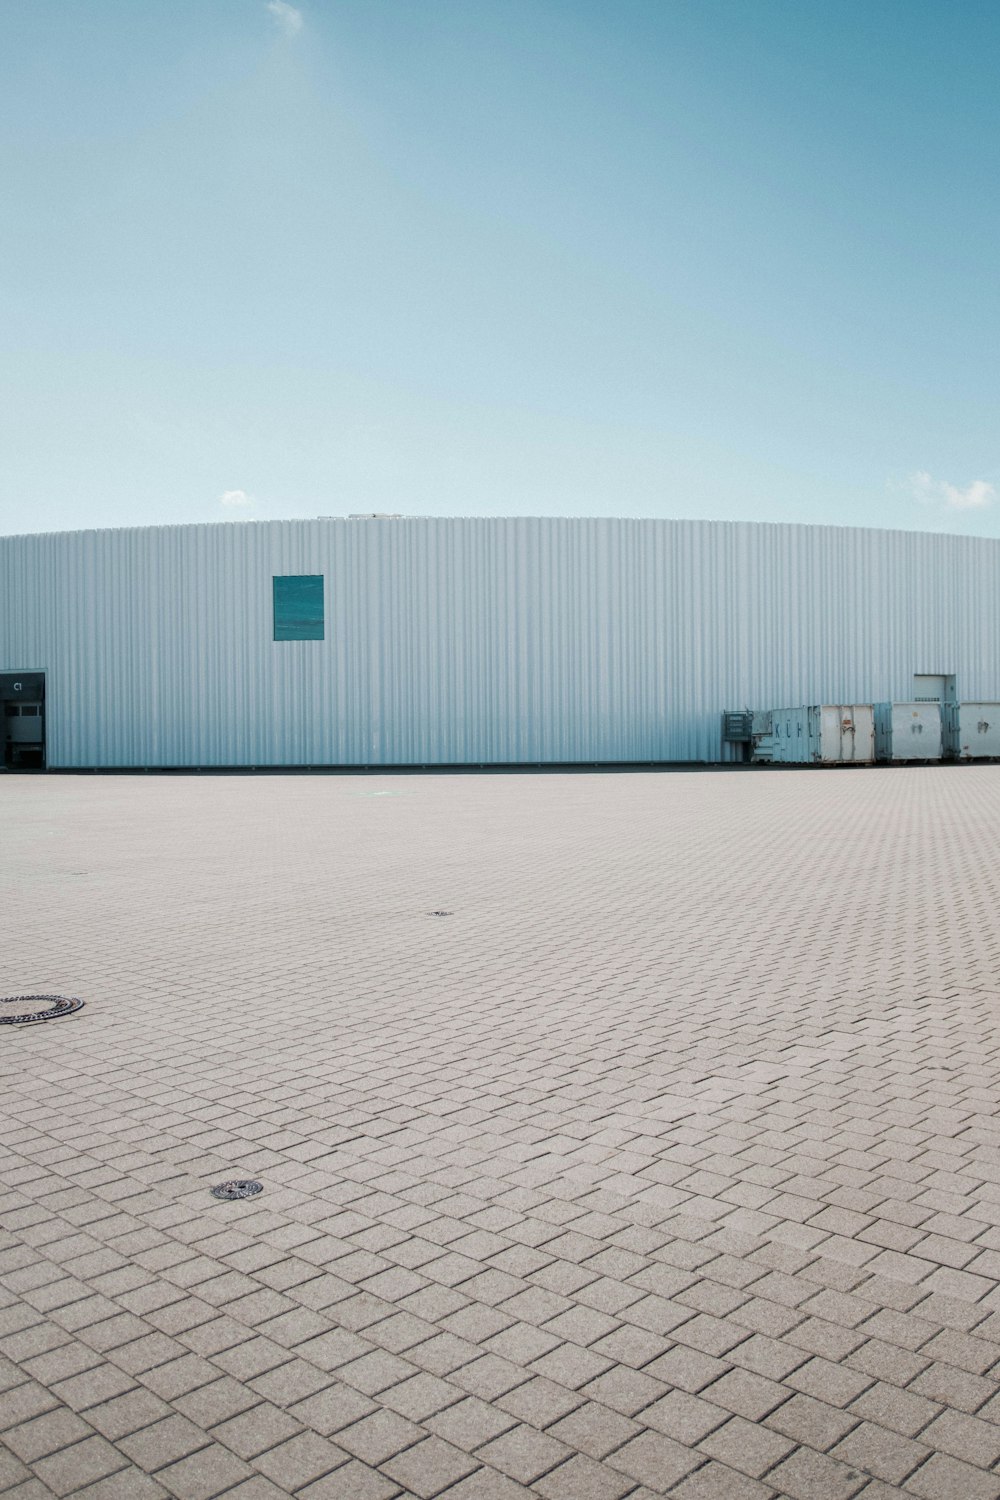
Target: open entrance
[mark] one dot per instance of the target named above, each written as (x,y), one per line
(22,720)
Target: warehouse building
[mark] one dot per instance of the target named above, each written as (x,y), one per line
(389,641)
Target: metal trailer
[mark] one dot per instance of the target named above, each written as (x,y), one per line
(824,734)
(972,731)
(908,731)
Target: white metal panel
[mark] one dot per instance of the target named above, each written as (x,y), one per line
(972,731)
(908,731)
(483,641)
(846,734)
(863,745)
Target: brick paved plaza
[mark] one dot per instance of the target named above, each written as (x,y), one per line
(666,1163)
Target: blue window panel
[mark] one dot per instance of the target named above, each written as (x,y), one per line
(298,607)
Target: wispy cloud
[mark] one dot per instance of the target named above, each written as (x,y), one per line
(235,497)
(929,491)
(286,16)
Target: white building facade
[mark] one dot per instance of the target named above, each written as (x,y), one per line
(400,642)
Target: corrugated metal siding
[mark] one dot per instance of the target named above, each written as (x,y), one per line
(451,641)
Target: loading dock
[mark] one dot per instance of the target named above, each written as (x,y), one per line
(22,720)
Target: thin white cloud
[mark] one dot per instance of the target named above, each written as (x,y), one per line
(976,496)
(235,497)
(286,16)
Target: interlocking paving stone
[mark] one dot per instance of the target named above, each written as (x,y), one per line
(203,1474)
(524,1454)
(669,1164)
(353,1481)
(300,1460)
(71,1469)
(716,1482)
(429,1467)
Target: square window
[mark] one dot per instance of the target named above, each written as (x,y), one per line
(298,607)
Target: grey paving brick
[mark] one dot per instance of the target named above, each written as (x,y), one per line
(654,1460)
(329,1410)
(45,1434)
(886,1455)
(429,1467)
(178,1376)
(490,1376)
(162,1443)
(30,1489)
(944,1478)
(732,1188)
(746,1446)
(22,1402)
(127,1413)
(254,1431)
(524,1453)
(688,1369)
(747,1395)
(72,1469)
(92,1387)
(204,1474)
(814,1476)
(379,1437)
(580,1478)
(834,1384)
(964,1437)
(595,1430)
(353,1481)
(301,1460)
(539,1402)
(901,1411)
(714,1481)
(469,1423)
(214,1403)
(12,1470)
(127,1484)
(487,1484)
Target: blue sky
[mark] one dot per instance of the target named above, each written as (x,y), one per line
(730,259)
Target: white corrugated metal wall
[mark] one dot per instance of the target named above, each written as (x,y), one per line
(457,641)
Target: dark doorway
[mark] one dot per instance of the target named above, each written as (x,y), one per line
(22,720)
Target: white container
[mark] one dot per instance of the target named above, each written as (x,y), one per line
(908,731)
(972,731)
(824,734)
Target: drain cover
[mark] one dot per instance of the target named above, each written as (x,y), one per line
(57,1005)
(237,1189)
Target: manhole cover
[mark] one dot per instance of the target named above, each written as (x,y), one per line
(237,1189)
(56,1005)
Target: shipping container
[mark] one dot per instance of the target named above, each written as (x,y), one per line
(972,731)
(908,731)
(826,734)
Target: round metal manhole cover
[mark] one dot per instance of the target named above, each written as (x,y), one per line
(55,1005)
(238,1188)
